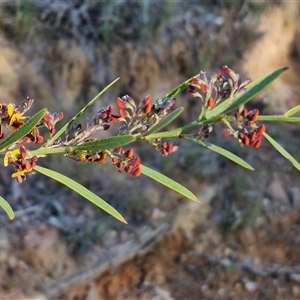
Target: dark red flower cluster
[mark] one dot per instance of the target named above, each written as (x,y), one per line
(162,147)
(126,161)
(167,147)
(105,115)
(76,134)
(254,137)
(248,117)
(250,134)
(147,105)
(51,119)
(223,84)
(33,137)
(49,122)
(137,119)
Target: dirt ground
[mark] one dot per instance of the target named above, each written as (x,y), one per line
(241,242)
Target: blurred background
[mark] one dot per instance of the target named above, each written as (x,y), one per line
(241,242)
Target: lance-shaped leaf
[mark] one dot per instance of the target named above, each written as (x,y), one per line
(179,88)
(252,90)
(23,130)
(278,119)
(292,111)
(81,190)
(282,151)
(224,152)
(106,143)
(5,205)
(170,183)
(63,129)
(165,121)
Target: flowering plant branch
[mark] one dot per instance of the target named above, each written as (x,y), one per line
(222,99)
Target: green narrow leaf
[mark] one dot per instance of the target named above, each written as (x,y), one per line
(23,130)
(5,205)
(179,88)
(278,119)
(81,190)
(282,151)
(252,90)
(170,183)
(292,111)
(224,152)
(165,121)
(63,129)
(106,143)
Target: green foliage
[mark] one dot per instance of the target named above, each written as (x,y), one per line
(282,151)
(292,111)
(253,89)
(7,208)
(167,120)
(225,153)
(81,112)
(222,99)
(168,182)
(106,143)
(81,190)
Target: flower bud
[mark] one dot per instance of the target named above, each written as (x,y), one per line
(246,140)
(121,103)
(39,139)
(146,100)
(129,153)
(118,150)
(124,113)
(210,102)
(252,115)
(60,115)
(241,136)
(227,132)
(261,129)
(226,70)
(244,112)
(147,108)
(115,118)
(120,165)
(257,144)
(129,169)
(137,172)
(203,87)
(136,161)
(253,135)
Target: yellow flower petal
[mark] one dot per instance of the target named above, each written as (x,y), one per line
(16,153)
(10,109)
(11,156)
(15,117)
(5,159)
(19,173)
(35,131)
(83,155)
